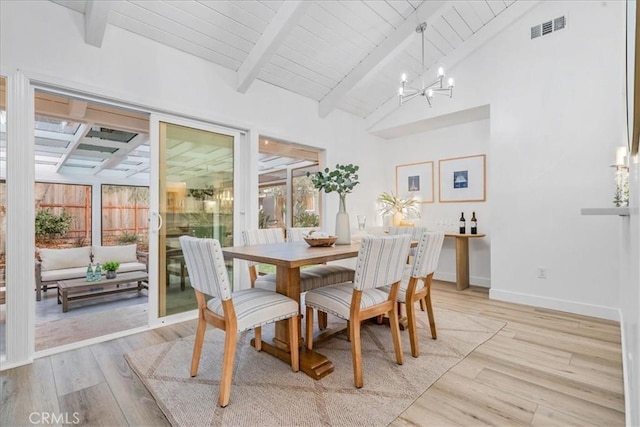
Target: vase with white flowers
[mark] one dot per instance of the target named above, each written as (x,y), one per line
(398,206)
(342,180)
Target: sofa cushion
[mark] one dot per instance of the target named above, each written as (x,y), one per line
(131,266)
(55,259)
(121,254)
(64,274)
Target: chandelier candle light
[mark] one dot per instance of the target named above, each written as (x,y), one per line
(407,92)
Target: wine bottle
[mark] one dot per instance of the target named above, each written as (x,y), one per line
(463,223)
(474,224)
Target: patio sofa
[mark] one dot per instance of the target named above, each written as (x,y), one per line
(54,265)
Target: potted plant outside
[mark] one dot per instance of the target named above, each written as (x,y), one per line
(110,267)
(342,180)
(398,206)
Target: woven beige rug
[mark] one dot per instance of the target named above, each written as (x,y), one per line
(265,392)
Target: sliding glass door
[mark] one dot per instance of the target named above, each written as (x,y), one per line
(195,197)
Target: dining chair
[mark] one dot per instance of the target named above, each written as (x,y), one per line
(416,233)
(262,236)
(296,234)
(310,277)
(232,312)
(380,262)
(416,284)
(331,274)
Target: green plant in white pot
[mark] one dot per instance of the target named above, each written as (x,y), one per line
(111,267)
(341,180)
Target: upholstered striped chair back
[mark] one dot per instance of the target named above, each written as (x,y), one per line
(262,236)
(207,271)
(381,261)
(427,254)
(295,234)
(415,232)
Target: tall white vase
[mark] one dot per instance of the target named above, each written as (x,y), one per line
(343,228)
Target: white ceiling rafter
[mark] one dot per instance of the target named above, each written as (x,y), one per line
(325,50)
(96,16)
(391,45)
(77,138)
(278,29)
(122,153)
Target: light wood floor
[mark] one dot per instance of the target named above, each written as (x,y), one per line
(543,368)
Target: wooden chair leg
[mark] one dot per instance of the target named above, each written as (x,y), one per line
(356,352)
(322,320)
(432,320)
(230,342)
(258,338)
(293,340)
(395,333)
(348,330)
(197,345)
(413,330)
(380,319)
(423,305)
(309,328)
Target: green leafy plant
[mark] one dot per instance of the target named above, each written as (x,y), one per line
(111,265)
(263,219)
(127,237)
(391,204)
(48,224)
(341,180)
(306,219)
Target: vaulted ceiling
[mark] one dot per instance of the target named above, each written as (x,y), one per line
(346,55)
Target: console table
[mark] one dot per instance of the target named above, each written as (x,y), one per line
(462,257)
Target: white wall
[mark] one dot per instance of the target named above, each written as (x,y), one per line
(455,141)
(557,112)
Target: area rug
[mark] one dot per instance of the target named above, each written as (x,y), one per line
(265,392)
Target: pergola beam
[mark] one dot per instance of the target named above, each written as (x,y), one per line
(96,16)
(274,35)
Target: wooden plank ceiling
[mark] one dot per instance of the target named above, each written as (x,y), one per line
(344,54)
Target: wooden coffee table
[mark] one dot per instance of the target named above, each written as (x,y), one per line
(69,290)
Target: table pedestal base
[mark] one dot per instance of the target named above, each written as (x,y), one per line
(312,363)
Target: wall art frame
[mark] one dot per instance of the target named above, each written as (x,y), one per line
(416,179)
(463,179)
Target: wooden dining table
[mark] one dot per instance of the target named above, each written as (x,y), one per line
(288,258)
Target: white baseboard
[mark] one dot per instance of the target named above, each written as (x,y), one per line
(601,312)
(626,369)
(451,277)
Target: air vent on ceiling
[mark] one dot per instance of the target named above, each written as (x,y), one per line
(548,27)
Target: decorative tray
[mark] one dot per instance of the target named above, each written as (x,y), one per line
(321,241)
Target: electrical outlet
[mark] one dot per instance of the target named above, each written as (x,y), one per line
(542,273)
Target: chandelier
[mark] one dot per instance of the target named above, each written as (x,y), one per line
(407,92)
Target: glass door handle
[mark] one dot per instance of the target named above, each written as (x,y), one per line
(157,214)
